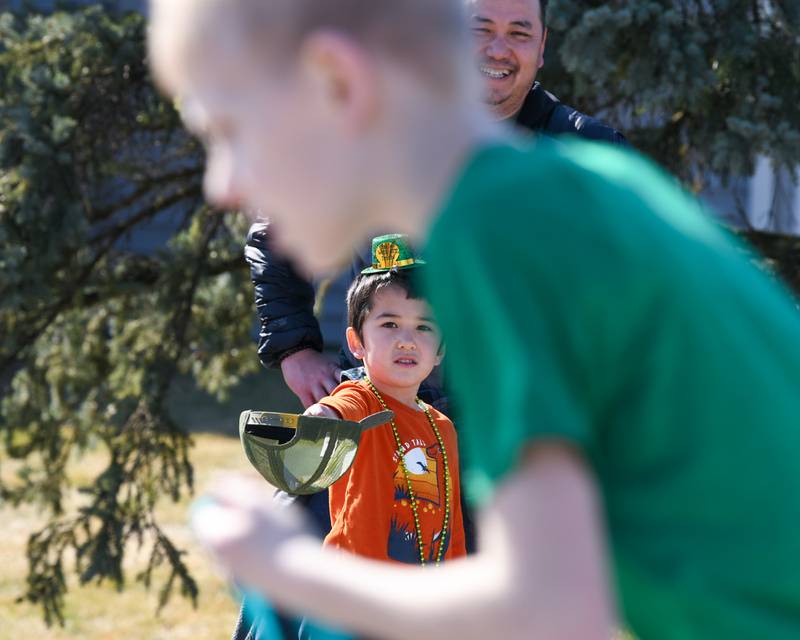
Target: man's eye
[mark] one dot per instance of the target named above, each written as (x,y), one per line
(480,30)
(520,35)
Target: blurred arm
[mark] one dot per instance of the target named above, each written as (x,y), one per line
(540,573)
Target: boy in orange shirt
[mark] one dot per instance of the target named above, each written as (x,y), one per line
(400,501)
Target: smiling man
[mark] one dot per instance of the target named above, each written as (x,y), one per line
(511,38)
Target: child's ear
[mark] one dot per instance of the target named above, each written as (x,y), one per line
(354,343)
(344,76)
(440,354)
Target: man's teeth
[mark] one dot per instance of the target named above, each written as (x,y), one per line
(497,74)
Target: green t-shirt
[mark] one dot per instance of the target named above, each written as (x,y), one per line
(584,296)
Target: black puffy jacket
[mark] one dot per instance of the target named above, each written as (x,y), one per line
(285,301)
(543,113)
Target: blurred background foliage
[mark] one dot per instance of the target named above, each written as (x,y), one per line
(97,323)
(705,87)
(702,86)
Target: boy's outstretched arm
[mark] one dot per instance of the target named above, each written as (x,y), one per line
(540,573)
(321,411)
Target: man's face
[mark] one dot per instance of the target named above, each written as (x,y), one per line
(510,41)
(274,149)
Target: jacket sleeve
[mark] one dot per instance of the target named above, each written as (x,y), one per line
(284,301)
(566,120)
(544,113)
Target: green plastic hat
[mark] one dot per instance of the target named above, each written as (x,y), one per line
(392,252)
(302,454)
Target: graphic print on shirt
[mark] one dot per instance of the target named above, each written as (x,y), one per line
(426,471)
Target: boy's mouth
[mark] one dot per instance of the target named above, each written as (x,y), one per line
(405,361)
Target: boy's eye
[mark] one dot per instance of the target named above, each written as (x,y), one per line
(424,327)
(389,325)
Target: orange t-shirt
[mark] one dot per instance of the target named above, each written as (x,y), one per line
(370,510)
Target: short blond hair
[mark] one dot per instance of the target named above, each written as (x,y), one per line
(429,35)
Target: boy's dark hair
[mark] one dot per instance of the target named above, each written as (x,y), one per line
(365,286)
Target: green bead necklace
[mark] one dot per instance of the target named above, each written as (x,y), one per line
(411,496)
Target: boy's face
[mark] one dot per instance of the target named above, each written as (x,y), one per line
(399,342)
(277,145)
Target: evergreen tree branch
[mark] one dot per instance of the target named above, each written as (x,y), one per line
(107,240)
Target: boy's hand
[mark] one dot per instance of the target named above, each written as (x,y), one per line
(321,411)
(238,522)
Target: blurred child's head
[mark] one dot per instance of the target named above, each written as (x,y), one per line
(303,104)
(391,328)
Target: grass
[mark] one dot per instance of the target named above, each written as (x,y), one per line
(96,612)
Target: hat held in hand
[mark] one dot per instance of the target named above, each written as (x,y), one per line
(302,454)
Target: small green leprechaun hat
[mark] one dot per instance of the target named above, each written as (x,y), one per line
(392,251)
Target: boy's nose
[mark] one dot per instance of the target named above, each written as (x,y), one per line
(406,342)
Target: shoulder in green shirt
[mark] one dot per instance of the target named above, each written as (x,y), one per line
(584,296)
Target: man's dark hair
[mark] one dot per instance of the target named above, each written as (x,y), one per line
(364,288)
(543,11)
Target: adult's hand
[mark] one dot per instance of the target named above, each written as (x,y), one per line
(310,375)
